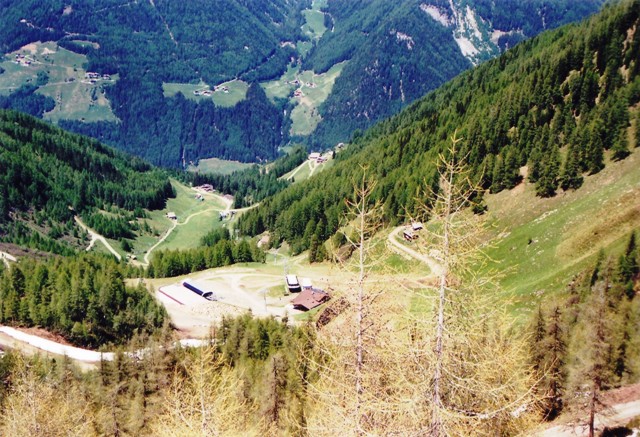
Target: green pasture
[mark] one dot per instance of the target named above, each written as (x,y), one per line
(219,166)
(538,245)
(314,26)
(75,100)
(237,92)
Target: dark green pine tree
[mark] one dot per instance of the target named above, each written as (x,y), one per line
(549,171)
(570,177)
(595,148)
(497,177)
(620,148)
(511,173)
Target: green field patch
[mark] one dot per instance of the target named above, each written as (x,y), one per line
(314,26)
(76,96)
(83,43)
(307,91)
(282,87)
(188,236)
(226,94)
(183,205)
(312,91)
(219,166)
(170,89)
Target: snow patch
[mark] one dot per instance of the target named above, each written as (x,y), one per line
(467,48)
(440,15)
(472,23)
(403,37)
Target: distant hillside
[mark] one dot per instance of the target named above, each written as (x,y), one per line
(555,104)
(398,52)
(49,175)
(180,81)
(145,44)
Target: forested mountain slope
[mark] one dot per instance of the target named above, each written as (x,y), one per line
(155,58)
(49,175)
(555,104)
(150,43)
(399,52)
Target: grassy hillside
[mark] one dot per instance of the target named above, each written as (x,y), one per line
(540,243)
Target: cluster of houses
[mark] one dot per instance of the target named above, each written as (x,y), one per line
(206,187)
(22,60)
(319,158)
(205,92)
(92,77)
(411,232)
(309,297)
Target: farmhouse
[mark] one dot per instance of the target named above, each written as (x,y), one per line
(309,299)
(172,216)
(264,241)
(416,226)
(206,187)
(409,235)
(293,285)
(314,156)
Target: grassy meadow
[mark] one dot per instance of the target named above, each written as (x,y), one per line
(75,98)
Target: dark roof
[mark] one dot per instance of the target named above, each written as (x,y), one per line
(310,298)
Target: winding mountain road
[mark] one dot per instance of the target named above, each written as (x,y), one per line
(228,202)
(96,237)
(397,246)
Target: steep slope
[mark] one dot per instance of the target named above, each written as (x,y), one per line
(399,53)
(554,104)
(175,82)
(49,175)
(141,46)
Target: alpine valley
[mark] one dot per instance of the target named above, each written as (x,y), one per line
(319,218)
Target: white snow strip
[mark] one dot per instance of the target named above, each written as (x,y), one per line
(86,355)
(74,353)
(440,15)
(466,47)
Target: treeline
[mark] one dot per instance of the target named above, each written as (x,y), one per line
(82,298)
(218,250)
(253,184)
(116,227)
(589,343)
(558,103)
(46,168)
(183,130)
(25,99)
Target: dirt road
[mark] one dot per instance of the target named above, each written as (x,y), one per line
(396,245)
(7,258)
(97,237)
(228,202)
